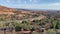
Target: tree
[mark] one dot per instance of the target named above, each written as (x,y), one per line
(32,29)
(36,22)
(54,25)
(25,22)
(18,29)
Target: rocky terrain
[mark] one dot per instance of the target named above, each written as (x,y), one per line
(39,20)
(16,14)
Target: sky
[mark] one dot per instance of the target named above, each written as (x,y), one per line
(31,4)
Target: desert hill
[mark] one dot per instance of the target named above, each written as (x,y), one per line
(5,10)
(16,14)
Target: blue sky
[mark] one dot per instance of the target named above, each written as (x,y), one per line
(31,4)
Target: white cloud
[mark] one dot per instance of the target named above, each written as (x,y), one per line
(45,6)
(37,6)
(52,6)
(34,1)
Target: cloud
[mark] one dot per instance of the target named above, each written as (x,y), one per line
(40,6)
(52,6)
(13,1)
(35,1)
(20,4)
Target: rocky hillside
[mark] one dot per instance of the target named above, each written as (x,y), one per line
(16,14)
